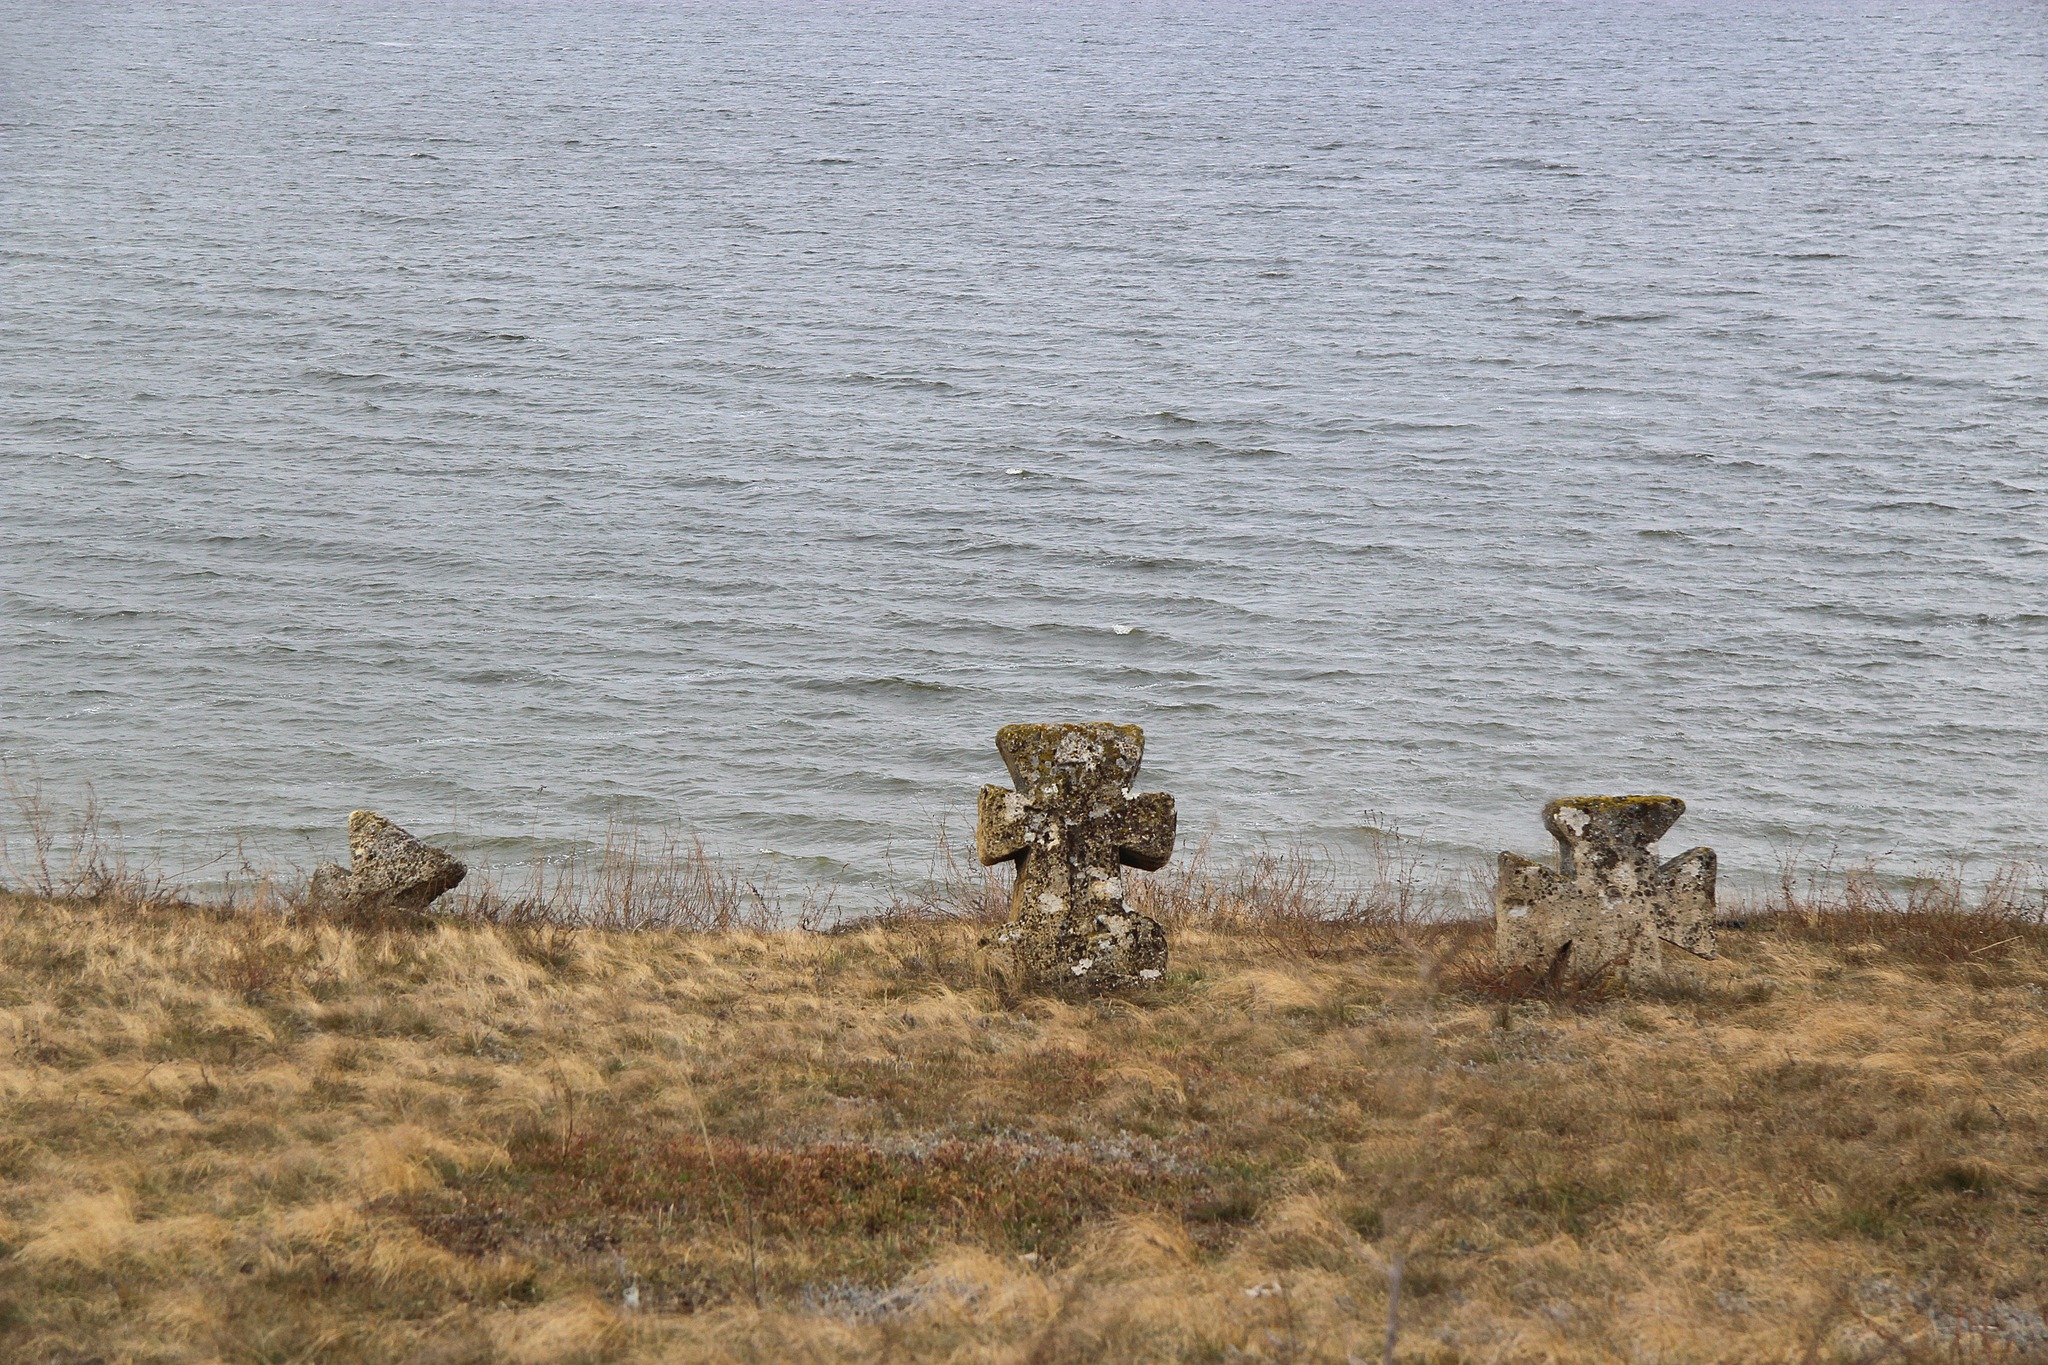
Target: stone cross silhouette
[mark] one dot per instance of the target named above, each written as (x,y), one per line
(1072,826)
(1610,903)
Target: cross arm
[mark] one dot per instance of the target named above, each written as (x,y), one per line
(1685,910)
(1149,823)
(1004,829)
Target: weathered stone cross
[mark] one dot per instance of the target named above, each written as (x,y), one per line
(1610,903)
(1072,825)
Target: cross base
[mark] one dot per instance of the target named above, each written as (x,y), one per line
(1119,949)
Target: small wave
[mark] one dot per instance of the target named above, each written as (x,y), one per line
(1397,426)
(891,683)
(373,382)
(1878,377)
(900,381)
(1530,163)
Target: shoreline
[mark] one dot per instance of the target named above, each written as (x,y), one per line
(631,874)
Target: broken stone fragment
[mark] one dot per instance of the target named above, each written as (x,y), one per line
(1072,825)
(1609,905)
(390,870)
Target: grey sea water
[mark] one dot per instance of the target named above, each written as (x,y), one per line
(521,417)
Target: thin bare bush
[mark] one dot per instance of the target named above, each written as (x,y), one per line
(1931,918)
(954,888)
(80,855)
(1471,967)
(637,881)
(1308,900)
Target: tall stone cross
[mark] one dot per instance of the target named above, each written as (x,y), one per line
(1072,826)
(1610,903)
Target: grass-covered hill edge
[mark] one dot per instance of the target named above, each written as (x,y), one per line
(237,1133)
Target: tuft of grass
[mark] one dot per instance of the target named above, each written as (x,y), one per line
(635,881)
(954,889)
(717,1219)
(632,880)
(1305,902)
(1931,920)
(79,857)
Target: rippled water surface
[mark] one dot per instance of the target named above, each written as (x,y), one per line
(520,417)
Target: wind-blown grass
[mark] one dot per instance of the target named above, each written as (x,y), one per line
(237,1132)
(228,1134)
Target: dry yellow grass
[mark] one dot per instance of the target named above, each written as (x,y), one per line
(225,1136)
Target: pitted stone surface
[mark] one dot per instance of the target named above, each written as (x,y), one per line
(1610,903)
(1072,826)
(390,870)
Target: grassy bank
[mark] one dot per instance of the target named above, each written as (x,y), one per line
(232,1135)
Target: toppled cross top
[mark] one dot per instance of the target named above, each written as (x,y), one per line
(1610,902)
(389,870)
(1072,825)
